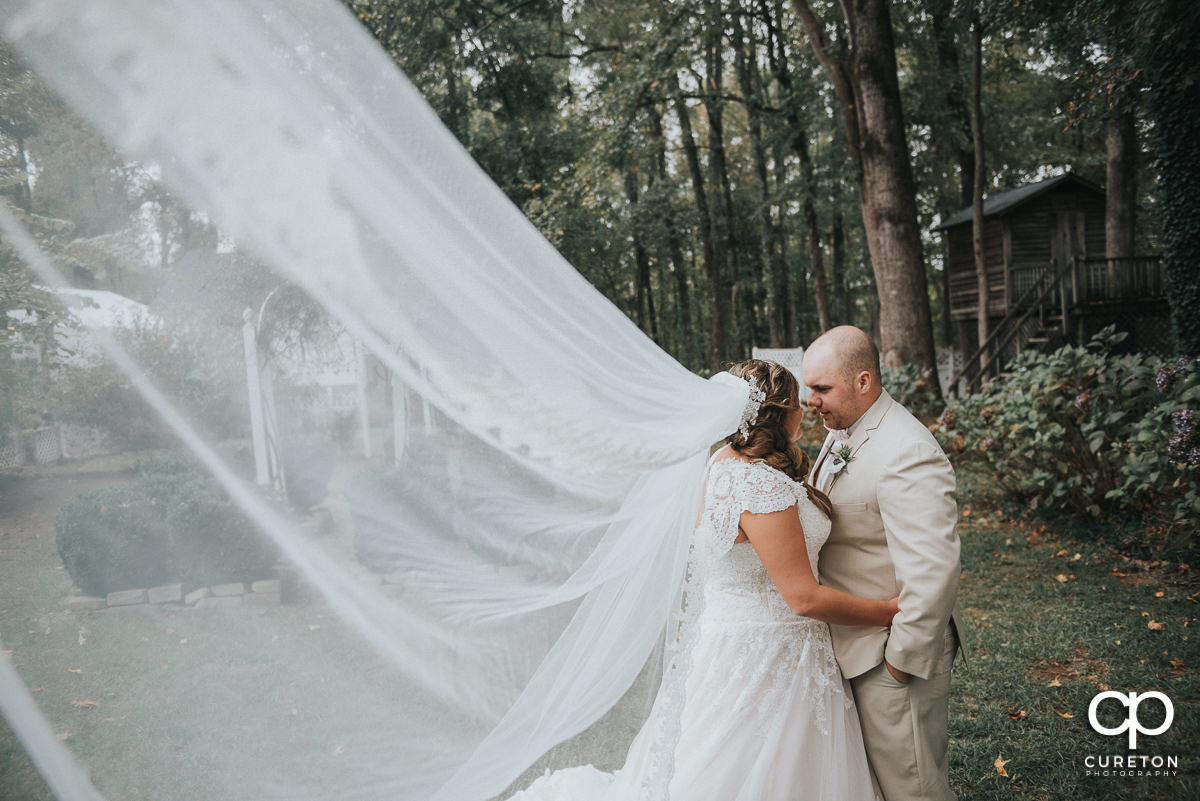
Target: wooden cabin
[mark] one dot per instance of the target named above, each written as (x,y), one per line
(1049,281)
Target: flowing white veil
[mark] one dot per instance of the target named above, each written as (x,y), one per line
(495,582)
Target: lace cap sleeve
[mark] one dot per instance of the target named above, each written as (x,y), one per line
(733,487)
(768,490)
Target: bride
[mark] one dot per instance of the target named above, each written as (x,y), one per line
(764,713)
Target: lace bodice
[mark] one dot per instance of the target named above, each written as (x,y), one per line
(752,705)
(737,586)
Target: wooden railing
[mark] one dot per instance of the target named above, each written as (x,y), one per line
(1048,299)
(1043,300)
(1132,279)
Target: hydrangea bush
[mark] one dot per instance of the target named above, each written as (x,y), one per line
(1084,433)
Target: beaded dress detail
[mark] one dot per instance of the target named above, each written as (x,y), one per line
(764,713)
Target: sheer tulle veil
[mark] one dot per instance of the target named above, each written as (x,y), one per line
(534,512)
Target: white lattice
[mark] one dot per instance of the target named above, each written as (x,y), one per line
(791,358)
(11,454)
(80,442)
(46,446)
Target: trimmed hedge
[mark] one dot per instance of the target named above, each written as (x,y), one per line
(174,526)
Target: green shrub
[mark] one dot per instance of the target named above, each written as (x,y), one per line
(167,528)
(237,454)
(1081,433)
(915,389)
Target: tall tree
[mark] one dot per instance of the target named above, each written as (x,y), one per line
(978,186)
(867,86)
(1124,51)
(749,79)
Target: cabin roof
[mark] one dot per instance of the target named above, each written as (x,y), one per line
(1001,203)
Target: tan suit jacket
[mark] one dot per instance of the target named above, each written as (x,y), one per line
(893,533)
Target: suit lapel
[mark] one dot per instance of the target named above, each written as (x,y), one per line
(870,421)
(812,475)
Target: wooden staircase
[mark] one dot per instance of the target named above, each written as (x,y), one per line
(1052,303)
(1039,320)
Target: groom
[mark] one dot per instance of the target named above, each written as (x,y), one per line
(894,513)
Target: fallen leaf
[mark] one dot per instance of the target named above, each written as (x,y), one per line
(1060,578)
(1063,714)
(1159,594)
(1020,713)
(74,670)
(85,704)
(1055,683)
(1000,763)
(1154,625)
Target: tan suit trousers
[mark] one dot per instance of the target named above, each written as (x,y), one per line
(904,728)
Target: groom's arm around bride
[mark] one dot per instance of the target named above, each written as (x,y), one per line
(893,533)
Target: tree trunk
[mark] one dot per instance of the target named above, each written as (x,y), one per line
(647,320)
(790,323)
(955,137)
(837,247)
(868,92)
(718,316)
(721,196)
(745,65)
(1120,208)
(981,270)
(675,246)
(812,235)
(799,140)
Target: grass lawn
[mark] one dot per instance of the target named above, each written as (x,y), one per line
(1053,621)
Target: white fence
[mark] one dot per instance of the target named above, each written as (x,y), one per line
(51,444)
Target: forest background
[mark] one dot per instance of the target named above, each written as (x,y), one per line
(730,173)
(741,173)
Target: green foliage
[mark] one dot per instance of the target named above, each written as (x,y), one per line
(915,389)
(184,368)
(1083,433)
(174,526)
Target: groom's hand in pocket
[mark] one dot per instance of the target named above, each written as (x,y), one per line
(897,674)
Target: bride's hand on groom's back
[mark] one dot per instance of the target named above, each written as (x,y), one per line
(895,604)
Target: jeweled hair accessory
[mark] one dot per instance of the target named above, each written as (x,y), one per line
(753,402)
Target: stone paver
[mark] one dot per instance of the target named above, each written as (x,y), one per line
(126,597)
(165,594)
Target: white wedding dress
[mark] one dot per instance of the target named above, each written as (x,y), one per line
(765,715)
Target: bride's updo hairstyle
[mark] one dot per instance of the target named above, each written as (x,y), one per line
(768,440)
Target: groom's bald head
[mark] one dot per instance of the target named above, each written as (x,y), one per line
(851,349)
(841,370)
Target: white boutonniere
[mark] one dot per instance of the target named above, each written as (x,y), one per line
(840,458)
